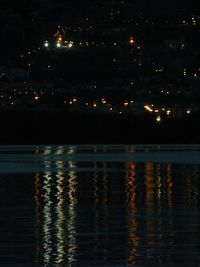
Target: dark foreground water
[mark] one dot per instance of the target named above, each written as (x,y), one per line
(99,206)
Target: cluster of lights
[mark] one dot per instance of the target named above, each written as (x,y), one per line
(65,45)
(71,101)
(168,112)
(160,70)
(194,21)
(93,104)
(149,108)
(128,103)
(59,44)
(46,44)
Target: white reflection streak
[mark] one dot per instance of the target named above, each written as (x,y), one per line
(71,223)
(47,150)
(60,150)
(47,218)
(47,210)
(71,150)
(37,198)
(60,217)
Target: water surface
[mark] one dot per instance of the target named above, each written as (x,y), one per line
(99,205)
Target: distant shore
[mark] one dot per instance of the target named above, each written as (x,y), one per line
(46,127)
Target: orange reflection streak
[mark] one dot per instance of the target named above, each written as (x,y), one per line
(149,168)
(189,189)
(161,195)
(193,199)
(195,184)
(150,207)
(134,239)
(169,185)
(195,174)
(95,185)
(105,183)
(37,199)
(96,200)
(170,200)
(105,208)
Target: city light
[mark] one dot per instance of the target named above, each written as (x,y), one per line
(70,45)
(148,108)
(46,44)
(158,119)
(168,112)
(132,40)
(126,103)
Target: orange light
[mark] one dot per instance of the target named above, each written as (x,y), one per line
(148,108)
(132,40)
(126,103)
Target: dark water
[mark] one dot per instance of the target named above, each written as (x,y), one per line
(99,206)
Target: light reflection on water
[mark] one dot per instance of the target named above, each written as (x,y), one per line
(145,215)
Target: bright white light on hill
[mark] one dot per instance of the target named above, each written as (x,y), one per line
(46,44)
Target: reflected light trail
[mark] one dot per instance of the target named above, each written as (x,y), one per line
(47,214)
(37,198)
(59,223)
(59,150)
(105,209)
(170,201)
(47,210)
(150,209)
(95,185)
(131,198)
(71,222)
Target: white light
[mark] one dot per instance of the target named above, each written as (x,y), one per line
(70,45)
(158,119)
(46,44)
(58,45)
